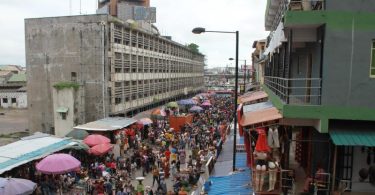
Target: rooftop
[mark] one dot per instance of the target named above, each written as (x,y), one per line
(17,78)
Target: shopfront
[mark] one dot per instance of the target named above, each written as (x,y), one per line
(354,156)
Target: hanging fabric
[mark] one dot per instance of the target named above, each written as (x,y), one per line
(273,137)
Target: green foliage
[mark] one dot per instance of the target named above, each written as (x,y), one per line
(194,48)
(66,84)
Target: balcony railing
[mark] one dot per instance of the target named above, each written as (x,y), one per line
(295,5)
(295,90)
(306,5)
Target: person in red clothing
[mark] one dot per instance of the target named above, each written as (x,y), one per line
(167,154)
(99,187)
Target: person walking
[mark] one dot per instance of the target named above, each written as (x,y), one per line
(155,176)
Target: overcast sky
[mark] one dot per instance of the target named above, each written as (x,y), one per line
(175,18)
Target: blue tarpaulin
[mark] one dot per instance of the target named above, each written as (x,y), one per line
(237,183)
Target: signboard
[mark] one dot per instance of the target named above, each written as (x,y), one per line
(145,13)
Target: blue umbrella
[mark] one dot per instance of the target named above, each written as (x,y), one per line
(195,109)
(186,102)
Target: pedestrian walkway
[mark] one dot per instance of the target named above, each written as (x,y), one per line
(224,181)
(238,182)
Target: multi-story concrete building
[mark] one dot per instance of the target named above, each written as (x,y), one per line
(120,69)
(320,75)
(258,59)
(13,88)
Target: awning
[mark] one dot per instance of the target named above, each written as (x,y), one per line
(260,114)
(30,148)
(353,137)
(258,106)
(62,109)
(107,124)
(252,96)
(258,118)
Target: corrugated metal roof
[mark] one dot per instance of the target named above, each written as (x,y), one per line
(256,107)
(260,116)
(30,148)
(107,124)
(353,137)
(17,78)
(252,96)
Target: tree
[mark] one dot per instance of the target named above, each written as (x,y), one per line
(194,48)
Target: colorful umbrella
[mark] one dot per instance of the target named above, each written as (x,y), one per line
(16,186)
(78,134)
(172,105)
(206,104)
(96,139)
(158,111)
(79,145)
(195,109)
(187,102)
(158,114)
(100,149)
(58,163)
(145,121)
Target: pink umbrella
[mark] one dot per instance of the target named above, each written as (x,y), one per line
(58,163)
(206,104)
(96,139)
(146,121)
(100,149)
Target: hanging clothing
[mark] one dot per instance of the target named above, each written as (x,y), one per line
(273,138)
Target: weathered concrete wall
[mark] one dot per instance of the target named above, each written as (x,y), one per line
(56,48)
(347,54)
(64,98)
(350,5)
(78,48)
(21,99)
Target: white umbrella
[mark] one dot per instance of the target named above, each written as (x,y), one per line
(16,186)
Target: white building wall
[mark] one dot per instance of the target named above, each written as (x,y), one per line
(21,99)
(63,98)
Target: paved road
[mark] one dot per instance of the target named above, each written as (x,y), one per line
(13,120)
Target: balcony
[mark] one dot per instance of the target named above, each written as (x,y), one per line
(300,91)
(276,10)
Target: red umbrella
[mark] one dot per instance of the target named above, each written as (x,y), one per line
(100,149)
(96,139)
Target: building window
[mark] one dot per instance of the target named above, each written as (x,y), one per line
(63,115)
(14,100)
(73,76)
(117,100)
(5,100)
(372,68)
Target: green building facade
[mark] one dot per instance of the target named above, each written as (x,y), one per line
(320,74)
